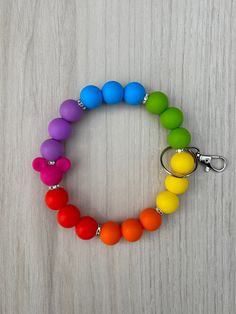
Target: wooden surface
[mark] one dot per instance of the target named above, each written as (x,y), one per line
(49,50)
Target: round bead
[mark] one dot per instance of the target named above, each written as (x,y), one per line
(167,202)
(156,103)
(39,163)
(56,199)
(112,92)
(59,129)
(51,149)
(63,164)
(134,93)
(86,228)
(71,111)
(51,175)
(91,96)
(172,118)
(132,230)
(182,163)
(150,219)
(176,185)
(110,233)
(68,216)
(179,138)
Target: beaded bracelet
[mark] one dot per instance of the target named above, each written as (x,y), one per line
(52,165)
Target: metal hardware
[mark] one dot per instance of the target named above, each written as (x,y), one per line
(159,211)
(145,98)
(82,106)
(98,231)
(51,162)
(53,187)
(206,160)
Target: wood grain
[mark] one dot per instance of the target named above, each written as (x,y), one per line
(49,50)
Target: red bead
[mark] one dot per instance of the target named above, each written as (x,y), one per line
(68,216)
(56,199)
(86,228)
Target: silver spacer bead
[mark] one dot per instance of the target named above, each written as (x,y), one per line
(81,104)
(53,187)
(145,98)
(51,162)
(159,211)
(98,231)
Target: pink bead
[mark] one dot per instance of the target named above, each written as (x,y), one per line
(63,164)
(51,174)
(39,163)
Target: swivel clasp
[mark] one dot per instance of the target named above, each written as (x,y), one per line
(208,161)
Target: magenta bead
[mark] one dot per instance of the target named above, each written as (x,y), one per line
(71,111)
(39,163)
(59,129)
(51,175)
(63,164)
(51,149)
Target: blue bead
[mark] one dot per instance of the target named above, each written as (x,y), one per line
(91,96)
(112,92)
(134,93)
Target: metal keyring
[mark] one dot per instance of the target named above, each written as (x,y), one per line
(188,149)
(206,160)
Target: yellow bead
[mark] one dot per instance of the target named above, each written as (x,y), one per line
(182,163)
(176,185)
(167,202)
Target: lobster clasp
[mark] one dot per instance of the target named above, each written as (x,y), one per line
(209,161)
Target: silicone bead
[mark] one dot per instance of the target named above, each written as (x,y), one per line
(150,219)
(71,111)
(51,174)
(63,164)
(59,129)
(156,103)
(134,93)
(68,216)
(182,163)
(167,202)
(176,185)
(172,118)
(39,163)
(110,233)
(132,230)
(112,92)
(56,199)
(91,96)
(179,138)
(51,149)
(86,228)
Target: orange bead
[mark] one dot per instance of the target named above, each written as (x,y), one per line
(132,229)
(150,219)
(110,233)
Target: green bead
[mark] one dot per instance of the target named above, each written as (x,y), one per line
(156,103)
(172,118)
(179,138)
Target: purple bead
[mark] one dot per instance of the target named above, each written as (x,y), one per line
(59,129)
(52,149)
(71,111)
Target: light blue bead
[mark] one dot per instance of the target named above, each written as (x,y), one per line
(91,96)
(134,93)
(112,92)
